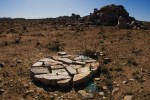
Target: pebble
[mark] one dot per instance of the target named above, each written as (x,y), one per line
(128,97)
(101,93)
(124,82)
(97,79)
(19,61)
(2,64)
(104,87)
(1,91)
(115,90)
(85,95)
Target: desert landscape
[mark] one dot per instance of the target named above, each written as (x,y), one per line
(119,43)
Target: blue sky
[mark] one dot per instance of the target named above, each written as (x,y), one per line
(140,9)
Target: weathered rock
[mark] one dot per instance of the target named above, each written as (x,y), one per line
(128,97)
(84,70)
(65,60)
(101,93)
(81,78)
(86,95)
(56,57)
(37,64)
(94,68)
(62,53)
(122,23)
(50,79)
(39,70)
(2,64)
(106,60)
(76,66)
(71,70)
(48,64)
(19,61)
(60,72)
(57,67)
(64,83)
(66,56)
(115,90)
(79,62)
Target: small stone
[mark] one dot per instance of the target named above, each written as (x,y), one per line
(101,93)
(85,95)
(37,64)
(106,60)
(104,87)
(115,90)
(131,79)
(124,82)
(97,79)
(19,61)
(128,97)
(1,91)
(62,53)
(2,64)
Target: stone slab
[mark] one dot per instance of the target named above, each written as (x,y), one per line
(71,70)
(37,64)
(60,72)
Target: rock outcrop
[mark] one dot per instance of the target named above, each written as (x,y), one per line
(112,15)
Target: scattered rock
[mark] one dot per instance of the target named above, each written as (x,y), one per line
(101,93)
(115,90)
(86,95)
(2,64)
(104,87)
(1,91)
(19,61)
(37,64)
(128,97)
(62,53)
(106,60)
(124,82)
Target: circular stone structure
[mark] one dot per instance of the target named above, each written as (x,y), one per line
(64,70)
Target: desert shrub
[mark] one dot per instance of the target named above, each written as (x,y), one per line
(131,61)
(4,43)
(91,53)
(54,46)
(103,69)
(17,40)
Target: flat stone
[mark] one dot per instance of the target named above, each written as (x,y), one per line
(65,60)
(81,78)
(79,62)
(39,70)
(83,70)
(66,56)
(52,63)
(76,66)
(64,83)
(71,70)
(89,61)
(128,97)
(56,57)
(46,60)
(50,79)
(37,64)
(60,72)
(81,57)
(62,53)
(57,67)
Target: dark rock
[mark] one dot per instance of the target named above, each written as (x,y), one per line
(2,64)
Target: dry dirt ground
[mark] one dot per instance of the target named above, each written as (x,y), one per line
(128,49)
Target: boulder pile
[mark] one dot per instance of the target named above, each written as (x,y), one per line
(112,15)
(64,70)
